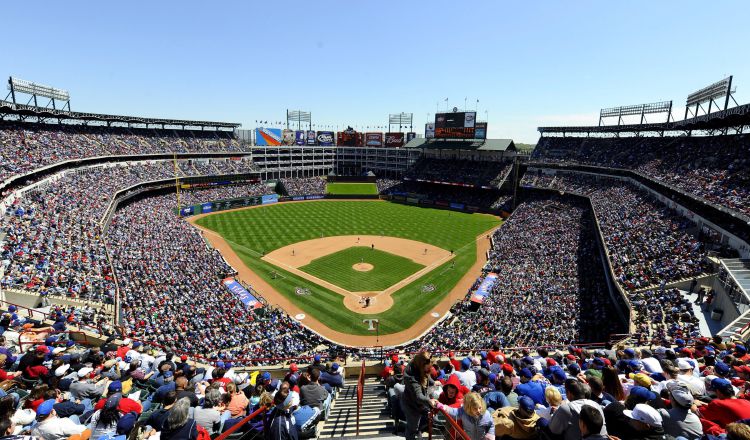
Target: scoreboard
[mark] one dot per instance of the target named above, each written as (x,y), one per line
(455,125)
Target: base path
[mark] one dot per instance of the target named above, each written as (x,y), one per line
(420,327)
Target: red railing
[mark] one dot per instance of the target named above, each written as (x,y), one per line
(29,312)
(360,391)
(455,432)
(241,423)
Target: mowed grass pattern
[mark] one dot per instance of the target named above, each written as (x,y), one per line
(337,268)
(252,232)
(355,189)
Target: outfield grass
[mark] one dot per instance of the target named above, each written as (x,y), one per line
(351,189)
(253,232)
(336,268)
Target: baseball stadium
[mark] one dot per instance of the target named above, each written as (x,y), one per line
(308,274)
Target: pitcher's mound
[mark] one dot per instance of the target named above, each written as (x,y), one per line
(363,267)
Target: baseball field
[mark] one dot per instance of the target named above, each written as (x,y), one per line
(351,189)
(323,258)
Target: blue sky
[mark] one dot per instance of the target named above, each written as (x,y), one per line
(354,62)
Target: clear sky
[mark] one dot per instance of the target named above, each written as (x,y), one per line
(354,62)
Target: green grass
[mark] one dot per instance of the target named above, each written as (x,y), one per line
(336,268)
(252,232)
(351,189)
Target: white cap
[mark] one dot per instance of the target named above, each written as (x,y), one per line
(644,413)
(127,341)
(61,370)
(85,371)
(58,350)
(683,364)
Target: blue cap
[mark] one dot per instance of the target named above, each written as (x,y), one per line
(45,408)
(574,369)
(525,372)
(528,360)
(558,373)
(634,365)
(12,309)
(220,364)
(723,385)
(740,348)
(466,363)
(642,393)
(526,403)
(316,358)
(659,377)
(679,342)
(70,343)
(493,377)
(483,354)
(227,365)
(335,366)
(168,374)
(630,352)
(117,386)
(137,344)
(266,376)
(721,368)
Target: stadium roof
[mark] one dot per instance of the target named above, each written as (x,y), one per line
(732,117)
(7,107)
(472,144)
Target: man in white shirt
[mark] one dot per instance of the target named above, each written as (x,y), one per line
(650,363)
(51,427)
(697,386)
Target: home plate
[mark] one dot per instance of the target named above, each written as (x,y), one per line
(435,314)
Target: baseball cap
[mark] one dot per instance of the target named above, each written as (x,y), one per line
(466,363)
(167,374)
(483,354)
(723,369)
(574,369)
(266,376)
(526,403)
(741,369)
(293,368)
(645,414)
(507,369)
(85,371)
(525,372)
(642,393)
(316,358)
(115,386)
(723,385)
(683,364)
(679,342)
(42,349)
(641,379)
(137,344)
(183,358)
(740,348)
(127,341)
(61,370)
(45,408)
(630,352)
(484,372)
(558,373)
(680,394)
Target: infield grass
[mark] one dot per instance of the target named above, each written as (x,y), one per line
(351,189)
(336,268)
(253,232)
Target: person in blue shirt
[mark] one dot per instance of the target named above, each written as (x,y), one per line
(531,388)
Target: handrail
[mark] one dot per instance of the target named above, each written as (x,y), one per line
(37,330)
(29,310)
(456,431)
(360,392)
(242,423)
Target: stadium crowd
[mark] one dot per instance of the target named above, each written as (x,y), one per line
(477,197)
(55,388)
(649,244)
(304,186)
(468,172)
(28,146)
(550,291)
(714,168)
(674,391)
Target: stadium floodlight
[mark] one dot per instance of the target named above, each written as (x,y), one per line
(32,88)
(403,120)
(299,117)
(638,109)
(710,94)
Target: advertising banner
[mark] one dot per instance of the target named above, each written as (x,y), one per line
(287,137)
(394,140)
(457,205)
(484,288)
(311,138)
(206,207)
(429,130)
(374,139)
(458,125)
(299,137)
(270,198)
(349,138)
(409,136)
(480,130)
(241,293)
(325,138)
(187,211)
(268,136)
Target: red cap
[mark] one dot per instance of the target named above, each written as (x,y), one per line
(394,358)
(571,357)
(183,358)
(42,349)
(743,369)
(293,368)
(551,362)
(507,369)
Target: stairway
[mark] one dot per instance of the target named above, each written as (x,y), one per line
(374,421)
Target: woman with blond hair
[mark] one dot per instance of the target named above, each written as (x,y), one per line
(415,401)
(473,416)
